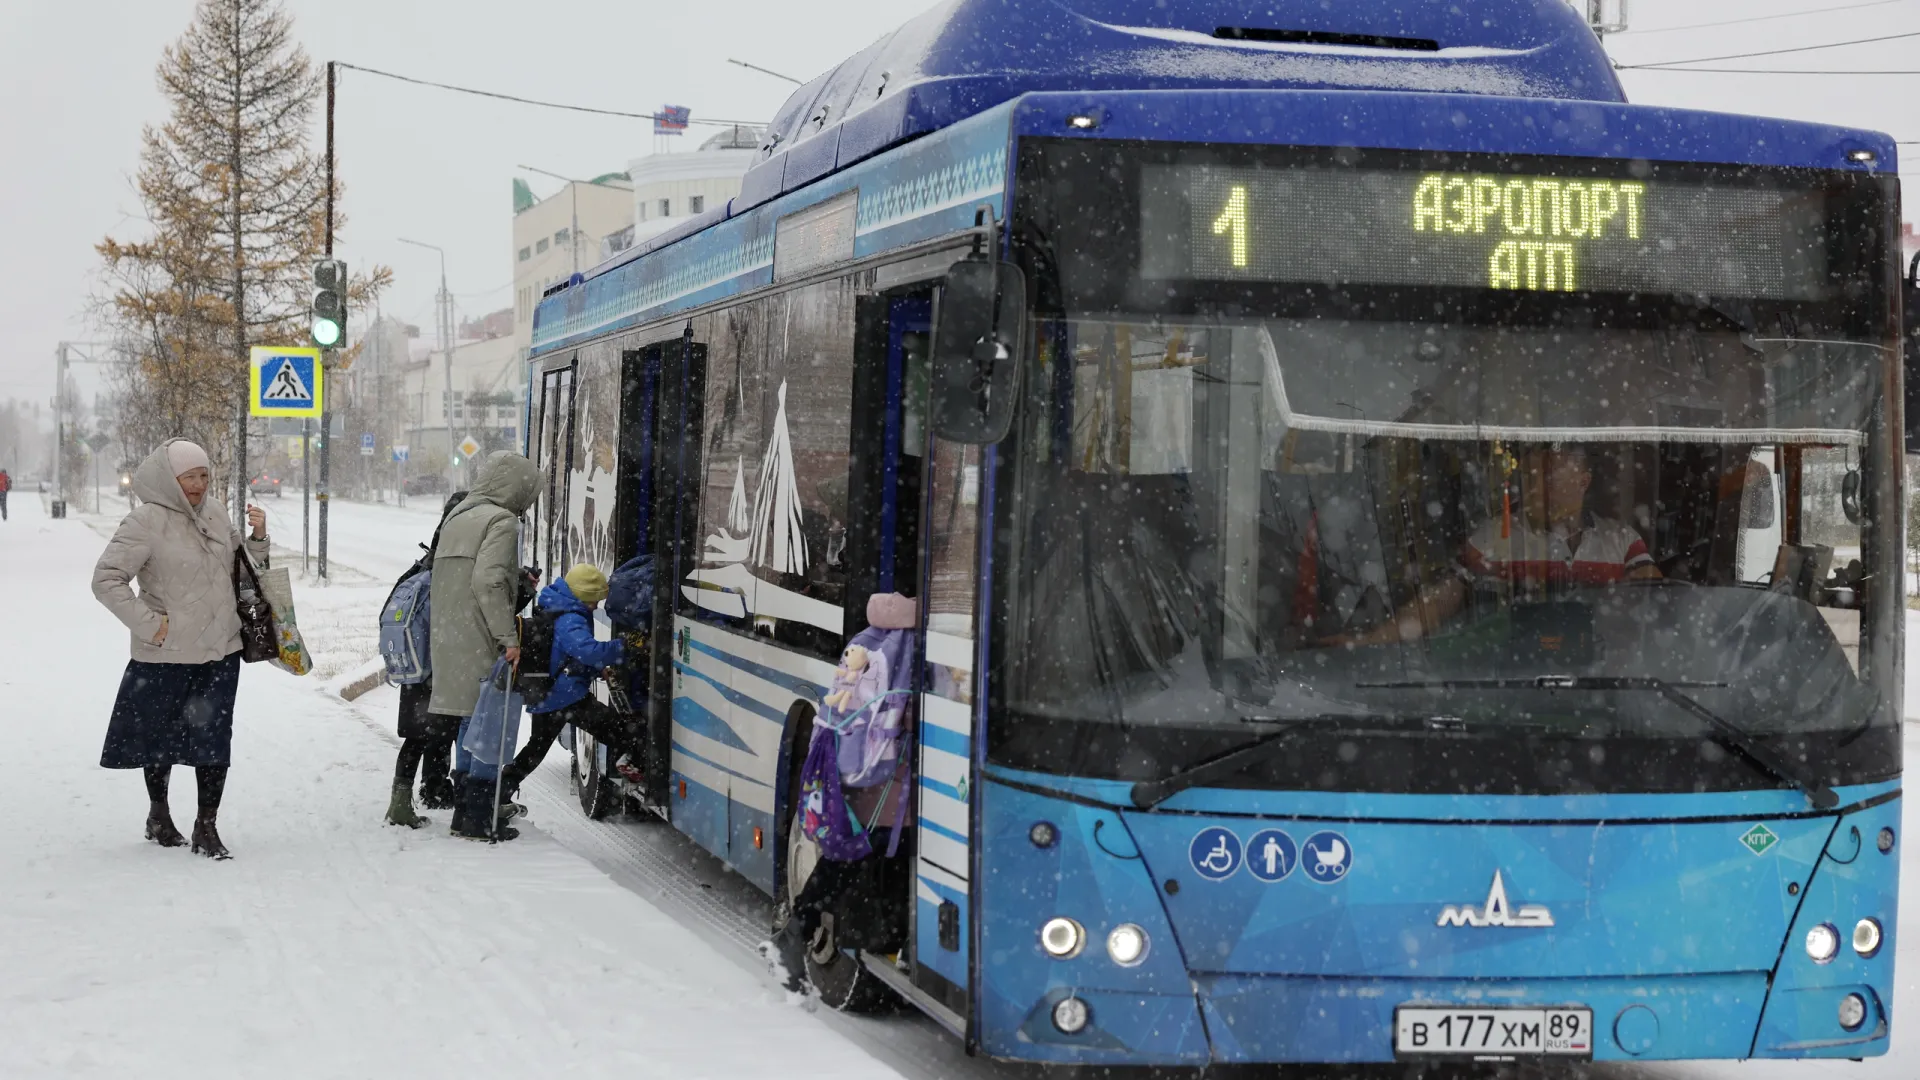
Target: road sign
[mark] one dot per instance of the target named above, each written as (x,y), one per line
(400,453)
(468,447)
(366,444)
(285,382)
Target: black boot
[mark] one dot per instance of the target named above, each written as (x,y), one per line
(473,812)
(206,839)
(436,792)
(786,957)
(160,827)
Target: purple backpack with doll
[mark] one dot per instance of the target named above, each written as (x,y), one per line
(859,736)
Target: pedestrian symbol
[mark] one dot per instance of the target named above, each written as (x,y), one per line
(1271,855)
(285,382)
(1759,839)
(286,385)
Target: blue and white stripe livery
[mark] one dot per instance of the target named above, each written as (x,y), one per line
(731,699)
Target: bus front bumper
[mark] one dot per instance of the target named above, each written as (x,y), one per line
(1281,1019)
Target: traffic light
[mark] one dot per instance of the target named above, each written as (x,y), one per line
(330,304)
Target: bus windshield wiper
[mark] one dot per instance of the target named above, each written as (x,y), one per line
(1728,733)
(1148,794)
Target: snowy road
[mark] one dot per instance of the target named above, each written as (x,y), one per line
(378,539)
(336,946)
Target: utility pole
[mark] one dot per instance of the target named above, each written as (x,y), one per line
(306,492)
(327,357)
(64,358)
(1607,16)
(444,302)
(59,508)
(573,188)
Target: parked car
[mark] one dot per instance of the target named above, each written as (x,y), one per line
(265,485)
(425,484)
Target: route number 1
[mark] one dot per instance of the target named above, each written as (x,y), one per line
(1232,223)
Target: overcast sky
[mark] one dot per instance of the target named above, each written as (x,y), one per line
(76,85)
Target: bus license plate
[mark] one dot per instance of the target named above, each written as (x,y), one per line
(1493,1033)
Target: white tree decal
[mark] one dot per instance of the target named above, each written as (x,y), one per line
(739,515)
(778,541)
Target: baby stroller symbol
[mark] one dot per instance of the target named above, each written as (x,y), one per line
(1215,853)
(1327,856)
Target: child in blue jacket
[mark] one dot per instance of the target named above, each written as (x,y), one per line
(578,659)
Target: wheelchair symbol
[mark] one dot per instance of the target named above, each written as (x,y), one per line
(1215,853)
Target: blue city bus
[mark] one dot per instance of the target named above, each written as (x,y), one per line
(1407,543)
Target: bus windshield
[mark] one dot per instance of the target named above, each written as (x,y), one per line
(1462,551)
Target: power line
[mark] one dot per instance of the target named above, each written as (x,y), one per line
(1767,71)
(1773,52)
(765,71)
(1759,18)
(541,104)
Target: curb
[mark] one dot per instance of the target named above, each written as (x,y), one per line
(357,681)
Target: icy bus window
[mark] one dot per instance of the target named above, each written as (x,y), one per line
(1825,566)
(1133,397)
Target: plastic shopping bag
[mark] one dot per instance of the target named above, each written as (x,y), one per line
(490,733)
(276,588)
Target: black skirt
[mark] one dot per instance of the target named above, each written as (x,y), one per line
(173,714)
(417,723)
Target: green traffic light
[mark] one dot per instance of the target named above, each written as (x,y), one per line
(326,332)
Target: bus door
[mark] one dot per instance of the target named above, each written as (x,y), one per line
(553,451)
(639,423)
(674,523)
(944,780)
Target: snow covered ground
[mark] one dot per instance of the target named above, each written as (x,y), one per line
(332,945)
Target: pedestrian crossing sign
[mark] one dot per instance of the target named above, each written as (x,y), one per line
(285,382)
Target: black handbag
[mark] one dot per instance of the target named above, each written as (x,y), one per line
(258,638)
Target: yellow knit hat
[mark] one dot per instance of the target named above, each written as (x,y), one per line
(589,585)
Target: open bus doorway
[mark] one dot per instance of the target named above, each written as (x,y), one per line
(857,914)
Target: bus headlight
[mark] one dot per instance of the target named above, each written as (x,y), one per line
(1823,942)
(1127,945)
(1071,1015)
(1853,1011)
(1866,937)
(1062,938)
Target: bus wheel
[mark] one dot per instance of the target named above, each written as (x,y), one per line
(843,983)
(597,796)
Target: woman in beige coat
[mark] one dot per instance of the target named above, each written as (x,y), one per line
(176,698)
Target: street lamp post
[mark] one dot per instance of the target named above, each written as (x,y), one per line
(573,188)
(445,303)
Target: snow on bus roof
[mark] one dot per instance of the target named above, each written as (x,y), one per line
(970,55)
(966,56)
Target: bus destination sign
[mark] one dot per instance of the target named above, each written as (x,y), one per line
(1529,233)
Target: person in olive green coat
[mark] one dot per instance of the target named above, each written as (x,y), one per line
(476,583)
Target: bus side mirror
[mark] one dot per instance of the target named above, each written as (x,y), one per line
(977,334)
(1910,352)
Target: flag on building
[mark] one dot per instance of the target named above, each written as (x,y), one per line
(671,119)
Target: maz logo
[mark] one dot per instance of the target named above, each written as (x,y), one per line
(1497,912)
